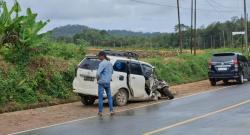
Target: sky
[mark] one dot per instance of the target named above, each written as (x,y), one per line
(134,15)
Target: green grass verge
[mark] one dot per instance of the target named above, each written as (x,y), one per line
(46,79)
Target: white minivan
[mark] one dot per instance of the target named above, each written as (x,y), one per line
(132,80)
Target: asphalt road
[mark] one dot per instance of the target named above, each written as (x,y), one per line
(220,112)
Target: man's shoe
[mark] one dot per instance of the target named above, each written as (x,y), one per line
(100,114)
(112,113)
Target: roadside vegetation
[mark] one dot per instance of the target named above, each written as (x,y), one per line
(33,71)
(38,71)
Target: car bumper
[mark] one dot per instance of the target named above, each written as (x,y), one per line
(212,75)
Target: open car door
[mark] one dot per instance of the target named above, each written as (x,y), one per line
(136,79)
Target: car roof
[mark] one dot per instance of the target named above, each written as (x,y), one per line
(115,58)
(227,53)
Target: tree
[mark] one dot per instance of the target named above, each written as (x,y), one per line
(19,33)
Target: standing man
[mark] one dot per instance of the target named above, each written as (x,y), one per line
(104,75)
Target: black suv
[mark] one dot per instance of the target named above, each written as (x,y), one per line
(228,66)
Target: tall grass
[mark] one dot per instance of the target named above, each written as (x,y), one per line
(181,69)
(45,79)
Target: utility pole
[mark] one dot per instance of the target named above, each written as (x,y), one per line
(224,42)
(192,19)
(211,46)
(246,21)
(195,30)
(179,25)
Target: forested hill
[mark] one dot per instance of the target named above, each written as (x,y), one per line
(71,30)
(215,35)
(131,33)
(68,30)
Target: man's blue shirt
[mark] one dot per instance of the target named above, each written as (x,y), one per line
(104,72)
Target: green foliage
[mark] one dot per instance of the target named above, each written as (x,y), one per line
(19,33)
(181,69)
(14,88)
(65,51)
(44,79)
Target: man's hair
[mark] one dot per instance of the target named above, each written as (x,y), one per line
(102,53)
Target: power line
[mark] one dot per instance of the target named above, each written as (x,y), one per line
(219,4)
(172,6)
(215,9)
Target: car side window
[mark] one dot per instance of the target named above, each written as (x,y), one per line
(135,68)
(147,69)
(120,66)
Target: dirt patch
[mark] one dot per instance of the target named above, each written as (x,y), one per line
(28,119)
(4,67)
(46,62)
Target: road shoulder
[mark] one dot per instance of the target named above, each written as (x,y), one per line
(34,118)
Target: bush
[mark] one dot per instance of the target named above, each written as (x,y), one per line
(46,77)
(65,51)
(181,69)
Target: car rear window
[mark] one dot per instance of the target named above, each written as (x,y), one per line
(223,57)
(90,63)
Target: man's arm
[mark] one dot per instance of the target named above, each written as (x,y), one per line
(99,70)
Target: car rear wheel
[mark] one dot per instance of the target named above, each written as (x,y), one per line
(121,98)
(240,80)
(213,82)
(225,81)
(87,100)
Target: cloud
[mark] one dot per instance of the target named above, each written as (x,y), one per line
(130,15)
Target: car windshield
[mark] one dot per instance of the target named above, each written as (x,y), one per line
(223,57)
(90,63)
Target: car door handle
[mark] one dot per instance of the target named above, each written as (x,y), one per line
(133,77)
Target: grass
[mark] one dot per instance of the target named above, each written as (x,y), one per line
(46,79)
(181,69)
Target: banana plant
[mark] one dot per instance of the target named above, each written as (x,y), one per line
(19,32)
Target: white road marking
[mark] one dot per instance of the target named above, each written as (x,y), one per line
(124,110)
(197,118)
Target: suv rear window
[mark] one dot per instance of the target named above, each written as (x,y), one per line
(223,57)
(90,63)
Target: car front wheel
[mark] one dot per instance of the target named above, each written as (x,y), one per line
(168,93)
(121,98)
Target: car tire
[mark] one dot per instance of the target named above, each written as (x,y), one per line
(225,81)
(87,100)
(240,80)
(121,98)
(168,93)
(213,82)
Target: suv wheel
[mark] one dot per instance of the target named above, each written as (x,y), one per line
(213,82)
(121,98)
(240,80)
(87,100)
(225,81)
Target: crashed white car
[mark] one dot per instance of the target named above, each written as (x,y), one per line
(132,80)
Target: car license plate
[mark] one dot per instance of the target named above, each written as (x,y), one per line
(222,69)
(87,78)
